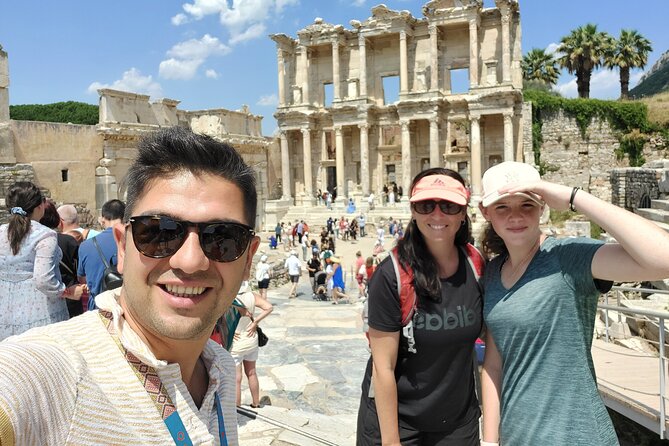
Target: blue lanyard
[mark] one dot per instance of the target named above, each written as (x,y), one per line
(154,387)
(180,434)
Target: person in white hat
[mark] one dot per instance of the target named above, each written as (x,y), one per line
(541,295)
(263,274)
(425,395)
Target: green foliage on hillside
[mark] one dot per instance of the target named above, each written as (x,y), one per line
(653,84)
(67,112)
(628,118)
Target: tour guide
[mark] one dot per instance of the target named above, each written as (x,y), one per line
(142,370)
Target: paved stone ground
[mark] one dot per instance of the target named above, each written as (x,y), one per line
(313,365)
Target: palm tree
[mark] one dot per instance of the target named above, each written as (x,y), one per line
(629,51)
(583,51)
(540,66)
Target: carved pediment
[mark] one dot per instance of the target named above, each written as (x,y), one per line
(381,14)
(437,8)
(320,28)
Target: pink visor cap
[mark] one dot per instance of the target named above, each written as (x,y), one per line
(440,187)
(503,174)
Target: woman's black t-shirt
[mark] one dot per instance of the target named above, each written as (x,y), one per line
(435,385)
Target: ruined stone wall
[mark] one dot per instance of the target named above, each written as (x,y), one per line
(632,187)
(57,150)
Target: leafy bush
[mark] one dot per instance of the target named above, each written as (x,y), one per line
(67,112)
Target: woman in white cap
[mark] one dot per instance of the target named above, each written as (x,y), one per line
(263,270)
(427,396)
(541,293)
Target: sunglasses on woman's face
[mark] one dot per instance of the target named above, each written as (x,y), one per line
(158,237)
(428,206)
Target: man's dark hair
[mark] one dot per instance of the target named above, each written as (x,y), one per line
(113,210)
(174,150)
(51,218)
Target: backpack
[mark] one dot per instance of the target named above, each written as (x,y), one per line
(407,293)
(111,278)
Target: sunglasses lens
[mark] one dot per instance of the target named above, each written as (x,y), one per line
(424,207)
(157,237)
(224,242)
(450,208)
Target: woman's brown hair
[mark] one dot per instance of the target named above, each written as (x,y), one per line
(27,196)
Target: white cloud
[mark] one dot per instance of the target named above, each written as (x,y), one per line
(211,74)
(132,81)
(244,20)
(358,2)
(268,100)
(180,19)
(186,57)
(253,32)
(552,48)
(604,84)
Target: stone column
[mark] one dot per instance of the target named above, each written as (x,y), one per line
(304,65)
(282,77)
(285,166)
(308,175)
(341,178)
(7,153)
(406,156)
(363,65)
(475,153)
(434,58)
(404,75)
(506,45)
(336,83)
(473,53)
(434,142)
(448,136)
(364,158)
(508,137)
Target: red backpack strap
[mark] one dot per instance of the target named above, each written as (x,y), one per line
(475,259)
(405,289)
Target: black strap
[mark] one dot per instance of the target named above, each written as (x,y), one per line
(102,256)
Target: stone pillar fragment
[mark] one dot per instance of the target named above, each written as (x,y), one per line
(364,158)
(285,166)
(404,75)
(508,137)
(363,65)
(434,58)
(406,156)
(336,83)
(434,142)
(282,78)
(473,53)
(304,67)
(506,45)
(339,147)
(308,176)
(475,152)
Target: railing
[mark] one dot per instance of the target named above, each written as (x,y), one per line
(661,316)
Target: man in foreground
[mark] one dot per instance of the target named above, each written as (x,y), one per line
(141,370)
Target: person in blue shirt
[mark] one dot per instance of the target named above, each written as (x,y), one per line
(91,266)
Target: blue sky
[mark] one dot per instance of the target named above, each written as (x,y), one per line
(216,53)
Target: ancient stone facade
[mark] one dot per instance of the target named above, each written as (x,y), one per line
(126,117)
(6,149)
(339,130)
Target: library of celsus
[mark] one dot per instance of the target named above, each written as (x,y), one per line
(375,103)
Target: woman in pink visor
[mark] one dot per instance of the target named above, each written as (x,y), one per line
(418,388)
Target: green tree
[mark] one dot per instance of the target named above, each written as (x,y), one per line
(540,66)
(582,51)
(629,51)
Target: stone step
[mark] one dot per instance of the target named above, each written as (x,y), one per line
(656,215)
(660,204)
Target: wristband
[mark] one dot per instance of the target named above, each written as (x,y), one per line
(571,199)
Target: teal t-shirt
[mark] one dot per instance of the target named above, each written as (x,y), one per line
(543,329)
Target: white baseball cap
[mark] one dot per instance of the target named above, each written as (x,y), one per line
(506,173)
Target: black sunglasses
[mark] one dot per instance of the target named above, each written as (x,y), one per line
(427,207)
(158,237)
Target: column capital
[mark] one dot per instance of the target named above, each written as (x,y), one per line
(361,40)
(475,117)
(507,115)
(403,34)
(283,134)
(337,129)
(305,131)
(434,119)
(474,22)
(432,29)
(363,126)
(405,124)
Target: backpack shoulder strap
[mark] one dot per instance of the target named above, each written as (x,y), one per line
(475,260)
(405,288)
(102,256)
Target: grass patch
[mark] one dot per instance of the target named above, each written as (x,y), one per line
(658,108)
(559,217)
